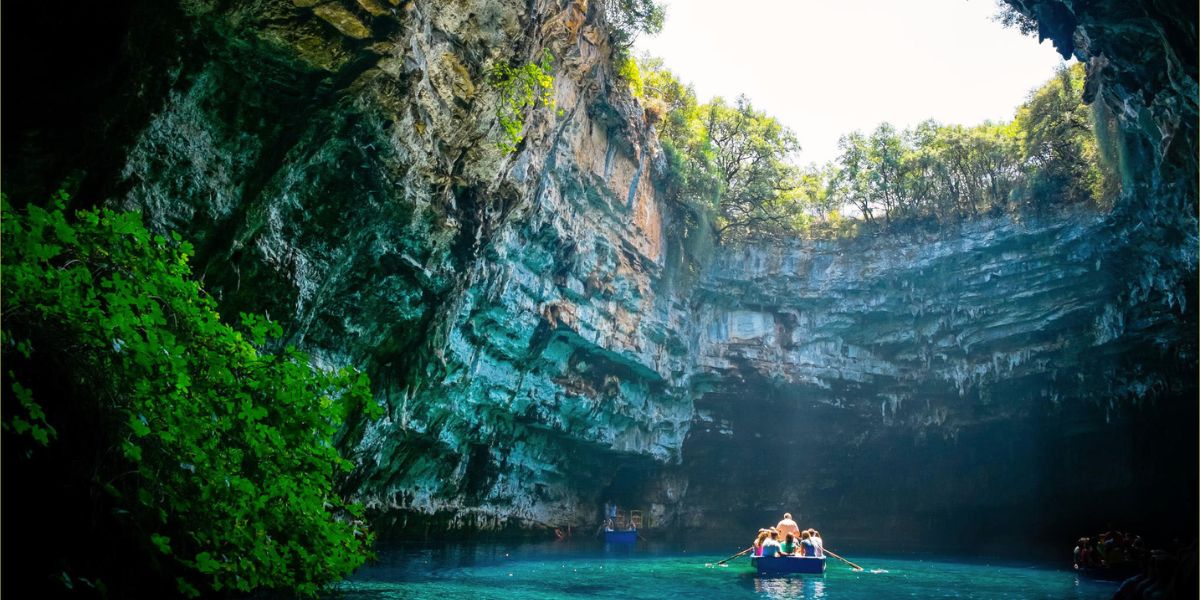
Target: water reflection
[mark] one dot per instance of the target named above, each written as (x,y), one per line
(789,588)
(621,549)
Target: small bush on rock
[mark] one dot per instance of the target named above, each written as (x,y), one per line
(521,88)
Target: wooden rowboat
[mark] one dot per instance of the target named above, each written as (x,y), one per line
(786,565)
(622,536)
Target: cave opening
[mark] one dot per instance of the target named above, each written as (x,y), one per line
(971,335)
(982,487)
(872,392)
(628,486)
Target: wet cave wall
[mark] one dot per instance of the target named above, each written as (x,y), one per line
(535,328)
(933,393)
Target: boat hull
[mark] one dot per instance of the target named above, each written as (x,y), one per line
(621,537)
(786,565)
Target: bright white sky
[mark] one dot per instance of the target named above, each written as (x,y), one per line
(829,67)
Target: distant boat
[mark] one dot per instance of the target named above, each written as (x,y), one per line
(623,536)
(785,565)
(620,527)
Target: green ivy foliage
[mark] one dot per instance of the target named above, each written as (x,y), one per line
(521,88)
(213,457)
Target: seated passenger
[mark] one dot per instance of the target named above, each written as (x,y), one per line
(758,542)
(788,547)
(787,525)
(806,545)
(818,543)
(770,546)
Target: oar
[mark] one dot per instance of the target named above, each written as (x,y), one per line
(830,552)
(734,556)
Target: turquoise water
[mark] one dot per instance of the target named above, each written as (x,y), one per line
(485,572)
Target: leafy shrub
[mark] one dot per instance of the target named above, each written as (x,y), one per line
(521,88)
(180,450)
(629,73)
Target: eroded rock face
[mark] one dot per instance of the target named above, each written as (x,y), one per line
(942,388)
(539,348)
(998,304)
(339,167)
(1141,60)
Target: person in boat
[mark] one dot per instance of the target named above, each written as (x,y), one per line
(1108,543)
(758,542)
(786,526)
(788,547)
(817,542)
(1138,547)
(1087,555)
(806,545)
(770,546)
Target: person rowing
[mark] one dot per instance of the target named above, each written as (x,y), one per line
(786,526)
(807,548)
(758,541)
(818,543)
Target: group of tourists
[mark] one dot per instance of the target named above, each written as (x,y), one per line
(1169,573)
(616,519)
(786,539)
(1107,549)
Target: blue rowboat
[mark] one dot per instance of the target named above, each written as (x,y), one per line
(627,536)
(785,565)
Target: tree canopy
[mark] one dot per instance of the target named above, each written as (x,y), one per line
(629,18)
(729,160)
(736,164)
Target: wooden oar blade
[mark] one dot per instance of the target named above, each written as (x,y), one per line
(734,556)
(833,554)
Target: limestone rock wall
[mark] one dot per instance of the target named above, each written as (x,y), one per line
(939,388)
(995,311)
(338,163)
